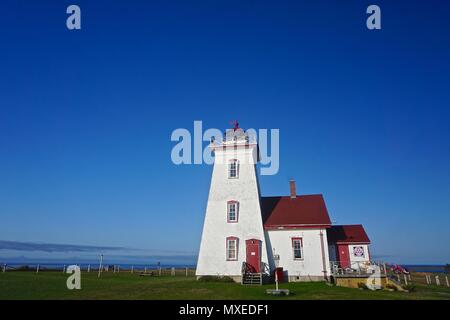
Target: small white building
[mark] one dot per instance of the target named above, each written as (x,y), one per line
(348,246)
(246,236)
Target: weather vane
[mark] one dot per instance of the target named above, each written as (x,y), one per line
(235,124)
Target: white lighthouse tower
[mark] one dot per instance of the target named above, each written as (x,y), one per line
(233,242)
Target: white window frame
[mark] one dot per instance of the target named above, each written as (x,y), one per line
(234,162)
(294,240)
(230,205)
(232,246)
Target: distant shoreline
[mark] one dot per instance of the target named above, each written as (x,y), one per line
(425,268)
(83,264)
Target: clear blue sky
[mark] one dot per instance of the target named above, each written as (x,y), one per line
(86,116)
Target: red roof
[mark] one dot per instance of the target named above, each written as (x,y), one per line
(307,211)
(347,234)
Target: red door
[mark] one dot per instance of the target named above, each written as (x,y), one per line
(343,254)
(253,255)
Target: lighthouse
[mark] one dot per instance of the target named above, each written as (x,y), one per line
(233,242)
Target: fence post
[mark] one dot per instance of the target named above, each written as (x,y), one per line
(145,270)
(118,268)
(406,279)
(173,271)
(37,268)
(132,269)
(89,268)
(186,272)
(438,282)
(100,266)
(160,271)
(4,270)
(446,280)
(64,268)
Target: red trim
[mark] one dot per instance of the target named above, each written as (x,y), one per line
(237,247)
(301,247)
(236,213)
(299,226)
(351,243)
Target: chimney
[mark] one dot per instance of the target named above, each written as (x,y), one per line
(292,187)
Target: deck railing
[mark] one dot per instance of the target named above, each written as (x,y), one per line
(363,268)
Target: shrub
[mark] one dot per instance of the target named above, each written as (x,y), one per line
(409,287)
(362,286)
(215,279)
(391,287)
(23,268)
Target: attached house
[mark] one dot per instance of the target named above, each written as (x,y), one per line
(348,246)
(295,228)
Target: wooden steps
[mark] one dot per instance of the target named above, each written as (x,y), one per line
(252,278)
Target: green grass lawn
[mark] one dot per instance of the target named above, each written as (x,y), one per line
(52,285)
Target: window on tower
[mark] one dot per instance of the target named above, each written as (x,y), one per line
(297,248)
(232,248)
(232,211)
(233,169)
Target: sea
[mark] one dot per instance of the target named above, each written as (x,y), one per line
(61,265)
(83,266)
(425,268)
